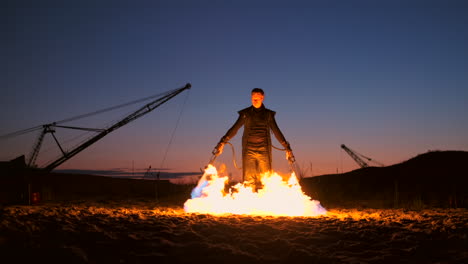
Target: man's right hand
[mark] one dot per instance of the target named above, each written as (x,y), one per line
(218,150)
(290,156)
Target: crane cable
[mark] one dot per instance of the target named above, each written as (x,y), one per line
(172,135)
(20,132)
(24,131)
(114,107)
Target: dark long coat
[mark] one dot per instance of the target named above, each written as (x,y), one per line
(256,139)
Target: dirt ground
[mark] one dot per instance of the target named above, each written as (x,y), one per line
(142,231)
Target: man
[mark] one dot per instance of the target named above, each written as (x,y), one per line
(256,140)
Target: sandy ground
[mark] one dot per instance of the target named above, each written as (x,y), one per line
(155,232)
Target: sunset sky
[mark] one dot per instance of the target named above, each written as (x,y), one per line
(389,79)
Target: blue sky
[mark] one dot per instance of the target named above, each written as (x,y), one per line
(386,78)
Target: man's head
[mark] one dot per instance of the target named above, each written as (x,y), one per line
(257,97)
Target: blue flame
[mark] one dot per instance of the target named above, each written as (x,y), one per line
(197,191)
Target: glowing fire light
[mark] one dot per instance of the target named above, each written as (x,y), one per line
(277,197)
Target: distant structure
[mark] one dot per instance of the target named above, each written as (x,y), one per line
(21,180)
(357,157)
(148,173)
(66,155)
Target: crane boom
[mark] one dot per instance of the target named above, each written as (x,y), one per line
(140,112)
(356,158)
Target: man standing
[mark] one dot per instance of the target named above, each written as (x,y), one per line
(256,140)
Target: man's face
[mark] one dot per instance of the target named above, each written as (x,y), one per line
(257,100)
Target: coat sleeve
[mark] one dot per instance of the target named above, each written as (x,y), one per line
(277,132)
(233,130)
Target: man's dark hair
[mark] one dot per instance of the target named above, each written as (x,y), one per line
(257,90)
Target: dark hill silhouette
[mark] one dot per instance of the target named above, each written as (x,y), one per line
(432,179)
(20,184)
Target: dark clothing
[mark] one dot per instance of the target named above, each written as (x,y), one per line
(256,140)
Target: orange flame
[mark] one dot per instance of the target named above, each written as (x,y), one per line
(277,197)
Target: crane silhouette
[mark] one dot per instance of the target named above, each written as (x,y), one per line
(357,157)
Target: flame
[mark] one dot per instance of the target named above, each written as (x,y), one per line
(277,197)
